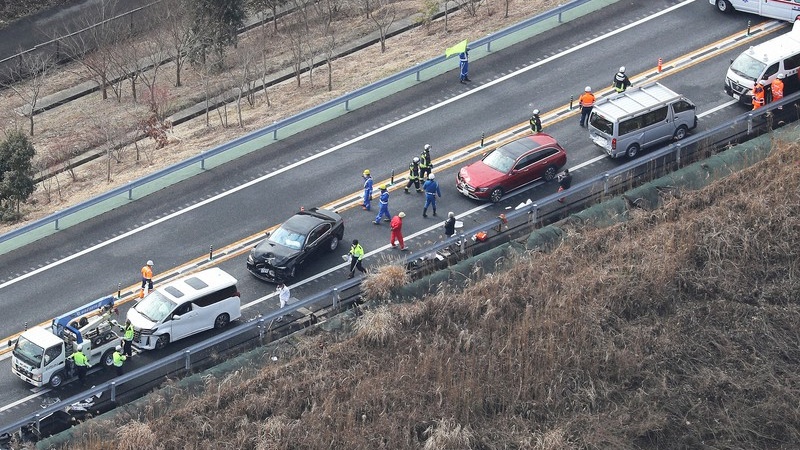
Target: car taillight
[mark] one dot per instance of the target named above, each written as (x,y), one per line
(614,144)
(237,294)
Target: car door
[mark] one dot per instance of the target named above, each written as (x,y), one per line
(316,239)
(520,173)
(542,159)
(658,126)
(184,321)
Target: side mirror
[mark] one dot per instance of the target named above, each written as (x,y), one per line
(176,316)
(267,234)
(46,359)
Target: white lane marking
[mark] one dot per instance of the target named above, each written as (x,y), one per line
(717,108)
(342,145)
(23,400)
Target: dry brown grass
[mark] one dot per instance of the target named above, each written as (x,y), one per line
(677,329)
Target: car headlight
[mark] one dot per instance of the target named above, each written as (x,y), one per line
(250,259)
(482,189)
(146,332)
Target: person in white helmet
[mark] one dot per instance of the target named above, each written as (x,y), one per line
(413,175)
(147,277)
(586,102)
(425,162)
(431,188)
(621,81)
(536,122)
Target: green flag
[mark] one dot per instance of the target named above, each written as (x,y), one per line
(461,47)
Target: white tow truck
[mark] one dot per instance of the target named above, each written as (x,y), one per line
(40,353)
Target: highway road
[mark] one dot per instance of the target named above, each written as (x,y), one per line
(239,200)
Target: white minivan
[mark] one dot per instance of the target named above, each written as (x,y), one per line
(774,9)
(198,302)
(765,61)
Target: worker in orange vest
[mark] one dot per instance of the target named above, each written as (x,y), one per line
(758,94)
(147,277)
(586,101)
(777,87)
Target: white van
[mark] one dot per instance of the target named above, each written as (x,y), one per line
(623,124)
(764,62)
(181,308)
(774,9)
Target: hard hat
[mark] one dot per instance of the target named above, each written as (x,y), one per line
(118,348)
(415,160)
(366,172)
(384,187)
(587,89)
(431,176)
(535,112)
(149,262)
(79,347)
(401,215)
(427,146)
(622,69)
(781,75)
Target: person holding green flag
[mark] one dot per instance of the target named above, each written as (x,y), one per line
(462,49)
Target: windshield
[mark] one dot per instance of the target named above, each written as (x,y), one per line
(748,67)
(155,306)
(499,160)
(28,352)
(288,238)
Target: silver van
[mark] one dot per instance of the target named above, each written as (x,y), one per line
(643,116)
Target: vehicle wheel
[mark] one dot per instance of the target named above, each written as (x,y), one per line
(496,195)
(680,133)
(108,359)
(334,244)
(222,321)
(57,379)
(632,151)
(724,6)
(550,173)
(162,341)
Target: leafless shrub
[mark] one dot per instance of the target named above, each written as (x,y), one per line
(377,327)
(384,280)
(449,435)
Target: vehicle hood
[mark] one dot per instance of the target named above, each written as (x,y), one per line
(139,321)
(480,175)
(275,255)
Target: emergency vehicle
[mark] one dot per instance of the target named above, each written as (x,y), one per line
(788,10)
(40,354)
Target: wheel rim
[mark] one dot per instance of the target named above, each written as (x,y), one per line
(680,133)
(334,243)
(221,322)
(550,173)
(632,151)
(162,342)
(722,5)
(496,195)
(56,380)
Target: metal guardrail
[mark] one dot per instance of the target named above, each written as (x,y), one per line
(342,101)
(523,219)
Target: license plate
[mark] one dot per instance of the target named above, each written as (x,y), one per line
(737,96)
(264,270)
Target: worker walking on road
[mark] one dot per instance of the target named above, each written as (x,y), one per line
(81,363)
(284,294)
(413,175)
(384,211)
(463,64)
(621,81)
(127,339)
(564,182)
(356,255)
(759,96)
(147,278)
(586,102)
(119,360)
(536,122)
(425,162)
(397,231)
(431,188)
(367,190)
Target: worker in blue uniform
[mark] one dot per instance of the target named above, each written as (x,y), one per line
(431,188)
(367,190)
(463,63)
(384,211)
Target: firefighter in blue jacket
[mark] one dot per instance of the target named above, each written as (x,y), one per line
(431,188)
(384,211)
(367,190)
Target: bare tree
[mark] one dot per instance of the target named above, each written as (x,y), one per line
(27,81)
(383,17)
(156,52)
(244,78)
(177,21)
(295,36)
(327,12)
(261,6)
(470,6)
(93,45)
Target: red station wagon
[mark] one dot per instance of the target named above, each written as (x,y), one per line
(512,166)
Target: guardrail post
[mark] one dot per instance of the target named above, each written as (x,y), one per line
(559,17)
(678,154)
(749,123)
(275,134)
(462,242)
(113,391)
(535,212)
(130,194)
(261,325)
(56,224)
(605,183)
(347,105)
(203,164)
(335,297)
(38,423)
(417,73)
(188,360)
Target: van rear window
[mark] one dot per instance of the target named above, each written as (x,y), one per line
(601,123)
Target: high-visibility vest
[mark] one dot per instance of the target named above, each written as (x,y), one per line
(147,272)
(357,251)
(80,359)
(424,159)
(586,99)
(128,333)
(118,359)
(758,96)
(413,171)
(777,90)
